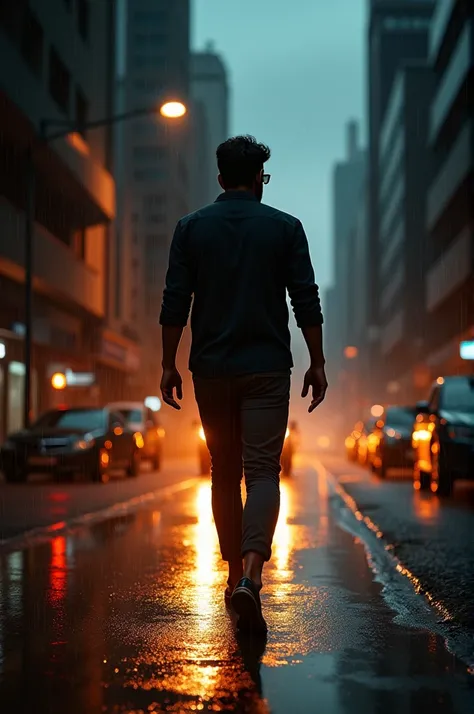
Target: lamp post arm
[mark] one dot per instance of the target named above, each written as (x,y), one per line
(70,127)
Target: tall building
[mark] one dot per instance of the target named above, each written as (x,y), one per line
(57,64)
(405,166)
(348,179)
(202,161)
(397,31)
(153,168)
(209,87)
(450,214)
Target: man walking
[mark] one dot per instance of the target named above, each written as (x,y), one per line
(238,258)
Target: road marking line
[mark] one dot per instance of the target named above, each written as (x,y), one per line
(41,533)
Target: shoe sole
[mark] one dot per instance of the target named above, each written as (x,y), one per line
(248,610)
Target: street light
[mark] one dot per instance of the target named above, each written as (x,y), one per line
(59,381)
(351,352)
(173,110)
(170,109)
(377,410)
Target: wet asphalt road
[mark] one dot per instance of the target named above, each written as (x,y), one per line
(128,616)
(41,503)
(432,537)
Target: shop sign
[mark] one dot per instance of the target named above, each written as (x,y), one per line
(466,350)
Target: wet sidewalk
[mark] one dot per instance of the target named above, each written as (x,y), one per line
(128,616)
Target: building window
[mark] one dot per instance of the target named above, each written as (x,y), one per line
(83,18)
(404,24)
(154,199)
(59,81)
(150,86)
(151,174)
(82,112)
(151,39)
(156,218)
(32,43)
(151,18)
(152,61)
(155,153)
(79,243)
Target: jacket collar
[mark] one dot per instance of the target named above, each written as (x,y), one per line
(236,195)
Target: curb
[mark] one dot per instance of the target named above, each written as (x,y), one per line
(376,541)
(40,534)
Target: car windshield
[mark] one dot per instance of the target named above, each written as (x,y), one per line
(131,416)
(80,419)
(458,395)
(401,416)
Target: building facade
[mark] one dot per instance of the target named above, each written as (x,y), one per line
(348,181)
(405,170)
(57,65)
(449,290)
(153,169)
(210,87)
(398,30)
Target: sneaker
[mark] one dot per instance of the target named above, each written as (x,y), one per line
(246,603)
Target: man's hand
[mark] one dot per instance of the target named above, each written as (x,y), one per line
(170,381)
(315,378)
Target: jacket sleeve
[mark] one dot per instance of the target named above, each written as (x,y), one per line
(302,289)
(177,295)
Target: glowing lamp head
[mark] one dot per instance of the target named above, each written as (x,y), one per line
(377,410)
(58,381)
(351,352)
(173,110)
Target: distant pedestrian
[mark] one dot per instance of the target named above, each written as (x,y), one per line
(238,258)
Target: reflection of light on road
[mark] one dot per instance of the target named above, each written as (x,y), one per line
(282,541)
(58,570)
(206,550)
(426,507)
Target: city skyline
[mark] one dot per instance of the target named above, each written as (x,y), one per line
(324,76)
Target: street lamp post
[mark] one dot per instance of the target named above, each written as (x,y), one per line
(168,110)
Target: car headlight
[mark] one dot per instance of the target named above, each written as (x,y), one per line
(83,444)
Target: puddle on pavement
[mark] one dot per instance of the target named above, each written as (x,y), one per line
(128,616)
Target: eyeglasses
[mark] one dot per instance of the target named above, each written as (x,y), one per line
(266,178)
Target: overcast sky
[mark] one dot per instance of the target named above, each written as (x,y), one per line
(297,75)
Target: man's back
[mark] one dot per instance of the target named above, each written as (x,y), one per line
(238,257)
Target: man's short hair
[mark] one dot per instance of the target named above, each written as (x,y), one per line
(239,160)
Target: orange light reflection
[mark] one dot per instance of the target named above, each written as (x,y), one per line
(206,566)
(282,541)
(426,507)
(58,570)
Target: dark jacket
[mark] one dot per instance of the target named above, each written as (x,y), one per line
(238,257)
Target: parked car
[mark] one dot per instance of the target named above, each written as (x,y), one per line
(443,435)
(357,443)
(391,443)
(289,448)
(204,457)
(144,421)
(62,442)
(351,441)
